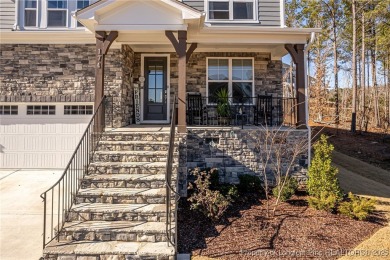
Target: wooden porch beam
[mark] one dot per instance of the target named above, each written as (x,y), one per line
(297,54)
(190,50)
(103,43)
(180,45)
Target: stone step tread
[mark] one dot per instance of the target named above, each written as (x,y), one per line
(109,248)
(148,153)
(147,192)
(165,133)
(135,142)
(117,226)
(125,177)
(118,208)
(133,164)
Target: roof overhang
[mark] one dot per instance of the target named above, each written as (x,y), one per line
(138,16)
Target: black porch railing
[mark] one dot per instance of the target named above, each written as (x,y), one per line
(261,110)
(59,198)
(172,196)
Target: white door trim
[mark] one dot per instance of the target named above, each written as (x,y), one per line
(143,55)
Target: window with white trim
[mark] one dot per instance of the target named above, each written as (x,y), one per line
(57,12)
(231,10)
(78,110)
(8,110)
(41,110)
(234,74)
(80,5)
(30,13)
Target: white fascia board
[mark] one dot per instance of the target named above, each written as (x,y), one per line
(133,28)
(233,38)
(47,37)
(258,29)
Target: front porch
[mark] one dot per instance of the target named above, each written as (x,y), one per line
(187,56)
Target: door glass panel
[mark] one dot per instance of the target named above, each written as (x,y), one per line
(159,95)
(152,81)
(152,96)
(159,81)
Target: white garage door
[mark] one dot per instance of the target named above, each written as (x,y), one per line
(37,138)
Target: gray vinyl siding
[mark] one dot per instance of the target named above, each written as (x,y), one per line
(269,10)
(197,4)
(7,14)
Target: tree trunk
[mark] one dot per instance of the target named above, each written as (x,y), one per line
(336,71)
(354,85)
(363,70)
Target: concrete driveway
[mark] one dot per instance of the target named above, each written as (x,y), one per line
(21,212)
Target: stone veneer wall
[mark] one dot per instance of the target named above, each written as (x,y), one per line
(55,72)
(235,152)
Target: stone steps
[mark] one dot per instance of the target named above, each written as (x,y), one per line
(128,167)
(123,181)
(130,156)
(134,231)
(133,136)
(133,146)
(121,195)
(117,212)
(120,211)
(109,250)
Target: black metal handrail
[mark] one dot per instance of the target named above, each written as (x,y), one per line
(172,239)
(240,111)
(59,198)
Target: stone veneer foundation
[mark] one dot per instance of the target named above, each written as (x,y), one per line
(234,151)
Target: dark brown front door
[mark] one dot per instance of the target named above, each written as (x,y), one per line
(155,88)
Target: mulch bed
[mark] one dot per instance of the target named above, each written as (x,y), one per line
(296,231)
(371,147)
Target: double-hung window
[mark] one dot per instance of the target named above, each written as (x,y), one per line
(230,10)
(57,12)
(233,74)
(30,13)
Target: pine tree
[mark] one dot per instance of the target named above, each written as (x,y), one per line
(322,175)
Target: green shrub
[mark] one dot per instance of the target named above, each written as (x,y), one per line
(323,183)
(249,184)
(356,207)
(229,190)
(212,203)
(289,189)
(325,201)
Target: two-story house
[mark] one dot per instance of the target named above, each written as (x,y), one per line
(222,59)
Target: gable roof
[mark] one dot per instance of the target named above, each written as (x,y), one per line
(174,14)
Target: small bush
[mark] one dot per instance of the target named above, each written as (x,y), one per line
(249,184)
(325,201)
(229,190)
(323,186)
(212,203)
(356,207)
(289,189)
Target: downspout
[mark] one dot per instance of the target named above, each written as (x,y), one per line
(16,24)
(308,45)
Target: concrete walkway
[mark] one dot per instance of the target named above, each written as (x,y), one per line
(366,180)
(21,211)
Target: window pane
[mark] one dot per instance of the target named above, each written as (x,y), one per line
(159,94)
(219,6)
(82,4)
(242,10)
(30,18)
(219,15)
(214,88)
(56,18)
(241,90)
(57,4)
(31,4)
(242,69)
(218,69)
